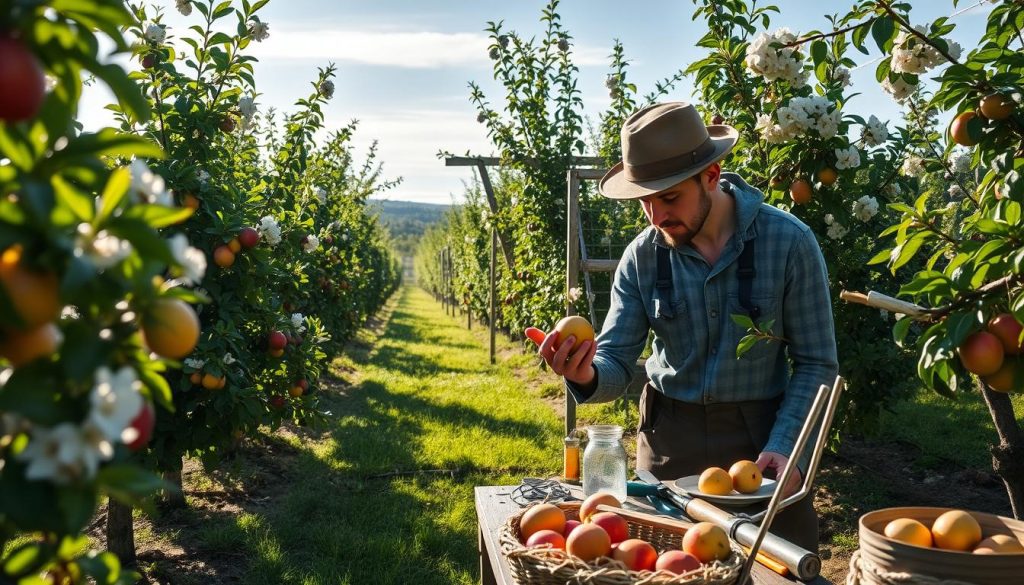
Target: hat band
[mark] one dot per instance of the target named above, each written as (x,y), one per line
(666,167)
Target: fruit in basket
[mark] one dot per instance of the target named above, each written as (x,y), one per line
(615,525)
(999,544)
(677,562)
(909,531)
(589,505)
(588,542)
(746,476)
(541,517)
(956,530)
(707,542)
(636,554)
(715,481)
(546,537)
(569,526)
(576,326)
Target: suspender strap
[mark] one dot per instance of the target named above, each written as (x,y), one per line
(663,286)
(745,273)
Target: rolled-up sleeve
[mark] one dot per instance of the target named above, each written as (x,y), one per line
(810,333)
(623,335)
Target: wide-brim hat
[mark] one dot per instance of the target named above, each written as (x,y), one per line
(663,145)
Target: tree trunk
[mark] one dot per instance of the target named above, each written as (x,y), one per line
(1008,455)
(174,498)
(120,532)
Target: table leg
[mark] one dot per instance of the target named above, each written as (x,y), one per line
(486,570)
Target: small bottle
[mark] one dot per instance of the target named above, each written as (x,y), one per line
(604,461)
(571,458)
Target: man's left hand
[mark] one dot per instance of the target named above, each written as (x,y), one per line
(777,462)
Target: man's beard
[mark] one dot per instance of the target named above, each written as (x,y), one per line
(693,225)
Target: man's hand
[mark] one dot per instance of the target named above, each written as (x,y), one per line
(777,462)
(577,367)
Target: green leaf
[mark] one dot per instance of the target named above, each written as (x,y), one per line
(745,344)
(900,329)
(742,320)
(113,193)
(158,216)
(819,51)
(882,30)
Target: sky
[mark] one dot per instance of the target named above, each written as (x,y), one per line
(404,66)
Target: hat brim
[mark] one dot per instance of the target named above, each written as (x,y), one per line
(614,184)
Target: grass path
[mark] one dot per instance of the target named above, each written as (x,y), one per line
(385,495)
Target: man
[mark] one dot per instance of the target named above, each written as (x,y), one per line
(684,277)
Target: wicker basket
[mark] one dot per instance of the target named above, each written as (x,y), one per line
(884,561)
(545,566)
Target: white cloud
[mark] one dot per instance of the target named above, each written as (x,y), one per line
(417,49)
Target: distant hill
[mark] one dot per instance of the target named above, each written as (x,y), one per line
(407,221)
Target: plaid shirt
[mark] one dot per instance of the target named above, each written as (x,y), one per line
(694,351)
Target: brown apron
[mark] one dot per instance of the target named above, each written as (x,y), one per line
(677,439)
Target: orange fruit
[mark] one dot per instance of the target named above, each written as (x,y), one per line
(296,391)
(190,201)
(999,544)
(956,530)
(707,542)
(170,328)
(982,353)
(223,256)
(909,531)
(589,506)
(211,382)
(588,542)
(746,476)
(541,517)
(827,176)
(800,191)
(958,129)
(34,295)
(996,106)
(234,245)
(22,347)
(576,326)
(196,378)
(715,481)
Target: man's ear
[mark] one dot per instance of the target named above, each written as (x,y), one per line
(710,176)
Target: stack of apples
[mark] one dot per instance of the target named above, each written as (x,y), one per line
(953,530)
(606,534)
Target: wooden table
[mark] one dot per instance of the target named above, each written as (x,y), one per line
(494,505)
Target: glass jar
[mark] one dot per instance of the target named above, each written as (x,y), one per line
(604,461)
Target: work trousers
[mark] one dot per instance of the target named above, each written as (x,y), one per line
(677,439)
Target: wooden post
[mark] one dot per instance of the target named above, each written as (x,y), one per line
(572,259)
(494,292)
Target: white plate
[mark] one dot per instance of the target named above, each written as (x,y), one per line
(763,493)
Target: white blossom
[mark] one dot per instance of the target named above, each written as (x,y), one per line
(269,230)
(865,208)
(321,195)
(899,89)
(259,31)
(955,191)
(247,106)
(326,89)
(836,231)
(194,363)
(148,186)
(312,243)
(961,162)
(842,75)
(58,454)
(892,190)
(847,158)
(191,260)
(103,249)
(156,33)
(183,6)
(828,124)
(298,322)
(829,219)
(874,132)
(228,359)
(202,176)
(115,400)
(772,62)
(611,82)
(574,294)
(913,166)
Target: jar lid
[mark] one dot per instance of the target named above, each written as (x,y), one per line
(604,431)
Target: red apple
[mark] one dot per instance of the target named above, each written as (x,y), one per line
(569,525)
(677,561)
(277,401)
(636,554)
(1007,329)
(303,383)
(615,525)
(22,78)
(142,425)
(548,537)
(248,237)
(277,340)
